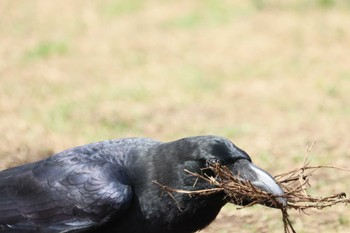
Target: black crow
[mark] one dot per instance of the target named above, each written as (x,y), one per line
(108,187)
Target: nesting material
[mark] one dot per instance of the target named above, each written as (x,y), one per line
(294,183)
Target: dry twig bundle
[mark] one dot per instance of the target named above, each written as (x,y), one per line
(294,183)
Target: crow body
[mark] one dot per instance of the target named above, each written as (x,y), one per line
(109,187)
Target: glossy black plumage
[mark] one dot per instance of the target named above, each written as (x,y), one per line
(108,187)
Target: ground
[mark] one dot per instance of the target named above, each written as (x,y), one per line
(272,76)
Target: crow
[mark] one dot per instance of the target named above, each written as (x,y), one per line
(109,187)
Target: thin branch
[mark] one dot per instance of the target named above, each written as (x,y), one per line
(294,183)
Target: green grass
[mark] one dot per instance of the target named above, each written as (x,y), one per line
(326,3)
(116,8)
(46,49)
(343,220)
(210,13)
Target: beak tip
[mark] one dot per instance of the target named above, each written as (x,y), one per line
(262,180)
(267,183)
(282,200)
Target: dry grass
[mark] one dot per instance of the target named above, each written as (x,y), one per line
(272,76)
(295,184)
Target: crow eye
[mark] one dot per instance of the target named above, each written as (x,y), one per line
(213,161)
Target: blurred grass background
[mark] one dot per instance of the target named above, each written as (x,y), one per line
(273,76)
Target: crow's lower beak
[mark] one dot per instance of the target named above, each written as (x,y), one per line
(260,179)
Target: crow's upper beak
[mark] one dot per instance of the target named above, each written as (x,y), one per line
(260,179)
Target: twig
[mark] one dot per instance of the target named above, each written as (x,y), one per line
(294,183)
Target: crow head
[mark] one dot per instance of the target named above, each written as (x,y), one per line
(221,151)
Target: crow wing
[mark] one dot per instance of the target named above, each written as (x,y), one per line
(71,191)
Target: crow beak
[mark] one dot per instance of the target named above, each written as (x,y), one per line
(260,179)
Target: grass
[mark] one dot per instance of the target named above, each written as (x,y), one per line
(46,49)
(115,8)
(273,76)
(208,13)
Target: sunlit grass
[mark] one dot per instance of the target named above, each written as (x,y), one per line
(115,8)
(272,76)
(210,13)
(46,49)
